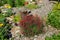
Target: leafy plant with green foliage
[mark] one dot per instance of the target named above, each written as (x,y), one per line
(13,3)
(2,18)
(7,13)
(53,37)
(10,2)
(4,30)
(56,6)
(54,17)
(2,2)
(17,18)
(19,3)
(59,5)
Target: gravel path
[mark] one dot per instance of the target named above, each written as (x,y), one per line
(46,6)
(49,32)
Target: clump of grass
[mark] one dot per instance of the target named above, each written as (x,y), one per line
(31,25)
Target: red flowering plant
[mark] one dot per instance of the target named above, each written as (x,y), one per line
(32,25)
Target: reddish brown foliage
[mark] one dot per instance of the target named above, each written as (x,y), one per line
(30,20)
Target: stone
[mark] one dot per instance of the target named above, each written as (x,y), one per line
(26,38)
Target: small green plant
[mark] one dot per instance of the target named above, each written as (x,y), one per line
(17,18)
(56,6)
(19,3)
(10,2)
(8,13)
(59,5)
(2,18)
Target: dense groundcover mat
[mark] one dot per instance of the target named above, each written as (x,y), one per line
(54,16)
(54,19)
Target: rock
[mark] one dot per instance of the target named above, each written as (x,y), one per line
(41,37)
(16,31)
(26,38)
(45,29)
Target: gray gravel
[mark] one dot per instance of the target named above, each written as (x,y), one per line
(46,6)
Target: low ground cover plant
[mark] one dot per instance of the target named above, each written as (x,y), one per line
(5,27)
(54,17)
(13,3)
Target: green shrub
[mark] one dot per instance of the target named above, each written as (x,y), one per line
(54,19)
(4,30)
(56,6)
(10,2)
(19,3)
(17,18)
